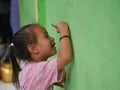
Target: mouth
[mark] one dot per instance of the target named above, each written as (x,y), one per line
(53,44)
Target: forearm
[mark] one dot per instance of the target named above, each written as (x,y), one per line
(65,47)
(65,54)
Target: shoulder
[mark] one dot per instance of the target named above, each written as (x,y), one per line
(43,64)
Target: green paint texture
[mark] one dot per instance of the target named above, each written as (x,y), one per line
(27,12)
(95,36)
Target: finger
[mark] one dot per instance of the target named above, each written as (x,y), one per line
(54,26)
(60,85)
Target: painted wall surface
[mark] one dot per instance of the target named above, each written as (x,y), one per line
(27,12)
(95,35)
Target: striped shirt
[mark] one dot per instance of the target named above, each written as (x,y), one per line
(39,75)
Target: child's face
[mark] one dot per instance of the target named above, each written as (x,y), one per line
(45,43)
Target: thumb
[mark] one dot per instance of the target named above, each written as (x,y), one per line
(55,27)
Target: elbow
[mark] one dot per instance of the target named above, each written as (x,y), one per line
(67,58)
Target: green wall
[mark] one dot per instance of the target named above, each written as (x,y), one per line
(95,34)
(27,12)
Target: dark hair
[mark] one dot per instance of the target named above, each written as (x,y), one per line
(19,50)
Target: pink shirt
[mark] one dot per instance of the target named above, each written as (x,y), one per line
(39,75)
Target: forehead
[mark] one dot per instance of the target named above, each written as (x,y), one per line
(39,30)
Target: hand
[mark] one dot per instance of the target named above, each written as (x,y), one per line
(60,84)
(62,28)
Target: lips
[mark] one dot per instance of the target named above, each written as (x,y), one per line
(53,44)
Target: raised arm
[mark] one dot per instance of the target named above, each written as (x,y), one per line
(65,54)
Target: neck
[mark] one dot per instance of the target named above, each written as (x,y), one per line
(38,58)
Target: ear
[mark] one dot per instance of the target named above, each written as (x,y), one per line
(32,49)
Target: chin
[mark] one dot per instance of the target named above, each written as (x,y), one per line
(54,52)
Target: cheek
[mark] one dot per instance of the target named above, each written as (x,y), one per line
(49,49)
(46,48)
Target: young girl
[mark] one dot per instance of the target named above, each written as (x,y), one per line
(34,46)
